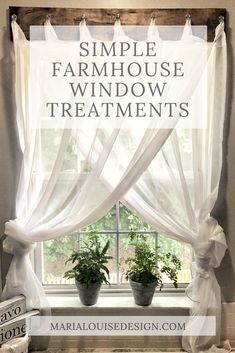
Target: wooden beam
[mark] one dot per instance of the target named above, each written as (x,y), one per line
(27,16)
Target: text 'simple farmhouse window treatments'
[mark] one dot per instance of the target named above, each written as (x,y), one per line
(190,174)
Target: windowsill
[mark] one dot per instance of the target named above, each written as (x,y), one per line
(115,291)
(163,303)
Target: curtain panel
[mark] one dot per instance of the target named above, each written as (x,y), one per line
(178,200)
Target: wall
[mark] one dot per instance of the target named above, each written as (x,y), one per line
(9,151)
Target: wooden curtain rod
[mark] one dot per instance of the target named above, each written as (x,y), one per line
(27,16)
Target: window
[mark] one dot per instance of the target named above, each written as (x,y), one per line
(51,255)
(115,226)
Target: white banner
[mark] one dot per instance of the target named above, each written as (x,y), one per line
(132,79)
(120,326)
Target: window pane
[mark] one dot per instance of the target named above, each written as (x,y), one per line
(108,222)
(129,219)
(181,250)
(112,264)
(55,254)
(126,251)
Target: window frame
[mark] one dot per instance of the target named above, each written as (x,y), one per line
(115,288)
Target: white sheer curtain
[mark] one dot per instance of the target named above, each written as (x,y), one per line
(177,192)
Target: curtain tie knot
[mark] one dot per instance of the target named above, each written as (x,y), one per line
(209,249)
(210,246)
(202,266)
(16,242)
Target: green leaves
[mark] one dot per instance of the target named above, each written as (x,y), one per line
(70,274)
(105,249)
(170,266)
(90,261)
(147,266)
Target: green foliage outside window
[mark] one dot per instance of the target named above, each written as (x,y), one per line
(57,251)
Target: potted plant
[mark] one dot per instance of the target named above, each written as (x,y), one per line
(147,267)
(90,269)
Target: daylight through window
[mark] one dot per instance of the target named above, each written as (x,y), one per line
(115,226)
